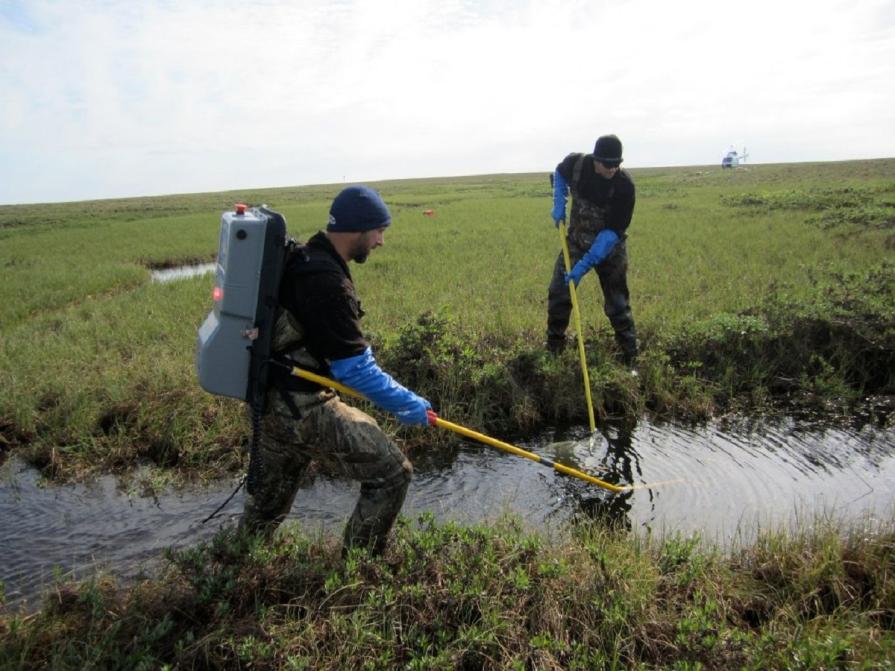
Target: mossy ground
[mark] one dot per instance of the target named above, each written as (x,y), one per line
(483,597)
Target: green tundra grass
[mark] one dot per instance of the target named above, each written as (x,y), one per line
(495,597)
(750,287)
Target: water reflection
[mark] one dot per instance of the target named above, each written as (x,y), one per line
(622,466)
(725,483)
(181,272)
(611,455)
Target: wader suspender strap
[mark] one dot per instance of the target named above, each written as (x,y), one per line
(576,171)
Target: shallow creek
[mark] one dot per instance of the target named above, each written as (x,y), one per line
(723,481)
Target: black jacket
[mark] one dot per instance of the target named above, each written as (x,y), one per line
(318,292)
(616,194)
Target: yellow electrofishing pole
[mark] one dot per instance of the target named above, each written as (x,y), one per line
(577,316)
(475,435)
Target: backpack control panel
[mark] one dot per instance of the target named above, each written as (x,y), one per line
(234,342)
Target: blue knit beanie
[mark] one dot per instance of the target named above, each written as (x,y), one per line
(358,208)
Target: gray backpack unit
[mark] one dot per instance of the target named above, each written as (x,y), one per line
(234,341)
(233,349)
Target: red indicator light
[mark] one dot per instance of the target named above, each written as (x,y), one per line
(217,294)
(240,208)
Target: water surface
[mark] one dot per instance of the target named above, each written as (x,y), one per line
(724,482)
(181,272)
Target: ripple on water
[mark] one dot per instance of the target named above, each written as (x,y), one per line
(721,482)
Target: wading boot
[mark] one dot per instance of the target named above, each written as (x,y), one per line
(556,346)
(628,359)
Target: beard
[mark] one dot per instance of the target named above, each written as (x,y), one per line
(361,250)
(360,256)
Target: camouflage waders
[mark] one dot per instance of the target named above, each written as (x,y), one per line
(586,220)
(344,441)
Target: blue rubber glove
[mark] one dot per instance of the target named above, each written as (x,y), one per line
(560,191)
(575,274)
(363,374)
(602,246)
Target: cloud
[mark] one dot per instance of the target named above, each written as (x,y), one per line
(116,98)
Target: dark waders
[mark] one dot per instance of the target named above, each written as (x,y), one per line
(616,300)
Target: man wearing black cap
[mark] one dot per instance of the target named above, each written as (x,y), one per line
(602,206)
(318,329)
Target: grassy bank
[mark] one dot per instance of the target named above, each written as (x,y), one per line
(750,287)
(484,597)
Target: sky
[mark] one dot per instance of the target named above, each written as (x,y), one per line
(115,98)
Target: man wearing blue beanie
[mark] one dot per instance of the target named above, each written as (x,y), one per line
(318,329)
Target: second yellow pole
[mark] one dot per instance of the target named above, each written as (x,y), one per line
(576,315)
